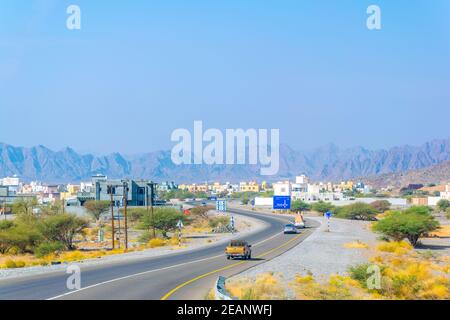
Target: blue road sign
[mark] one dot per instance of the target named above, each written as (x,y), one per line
(328,215)
(281,202)
(213,198)
(221,205)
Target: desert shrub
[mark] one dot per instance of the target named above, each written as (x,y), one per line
(156,242)
(145,237)
(443,204)
(216,221)
(265,286)
(136,214)
(322,207)
(46,248)
(62,228)
(398,247)
(424,210)
(337,288)
(18,237)
(300,205)
(357,211)
(201,211)
(163,219)
(411,224)
(11,264)
(359,273)
(381,205)
(6,224)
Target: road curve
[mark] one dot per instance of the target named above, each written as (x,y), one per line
(183,275)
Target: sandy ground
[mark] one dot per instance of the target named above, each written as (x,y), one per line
(322,254)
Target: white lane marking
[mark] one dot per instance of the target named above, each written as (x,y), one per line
(149,271)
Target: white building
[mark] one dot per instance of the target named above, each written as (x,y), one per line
(13,183)
(282,188)
(446,193)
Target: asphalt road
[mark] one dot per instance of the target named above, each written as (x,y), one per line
(183,275)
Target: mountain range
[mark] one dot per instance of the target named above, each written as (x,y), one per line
(327,163)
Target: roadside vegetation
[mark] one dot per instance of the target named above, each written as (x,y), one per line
(395,271)
(46,234)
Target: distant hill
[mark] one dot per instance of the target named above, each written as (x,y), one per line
(437,174)
(327,163)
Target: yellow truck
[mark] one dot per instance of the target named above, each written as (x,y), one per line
(238,249)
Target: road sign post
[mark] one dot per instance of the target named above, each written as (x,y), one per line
(179,225)
(328,215)
(232,224)
(221,205)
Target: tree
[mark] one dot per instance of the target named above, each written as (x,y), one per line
(24,206)
(357,211)
(322,207)
(96,208)
(62,228)
(300,205)
(164,219)
(381,205)
(443,204)
(18,236)
(413,225)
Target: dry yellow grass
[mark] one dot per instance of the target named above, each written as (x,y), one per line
(265,286)
(404,275)
(356,245)
(442,232)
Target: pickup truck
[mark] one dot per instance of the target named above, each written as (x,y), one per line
(238,249)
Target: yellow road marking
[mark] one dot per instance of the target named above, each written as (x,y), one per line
(168,294)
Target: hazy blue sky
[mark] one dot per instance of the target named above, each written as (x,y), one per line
(145,68)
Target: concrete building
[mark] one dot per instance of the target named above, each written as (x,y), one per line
(282,188)
(251,186)
(446,194)
(167,186)
(139,192)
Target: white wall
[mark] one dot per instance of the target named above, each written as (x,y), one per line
(260,201)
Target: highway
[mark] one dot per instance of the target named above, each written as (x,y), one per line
(183,275)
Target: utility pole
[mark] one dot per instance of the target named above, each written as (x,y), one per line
(63,206)
(151,205)
(125,195)
(112,216)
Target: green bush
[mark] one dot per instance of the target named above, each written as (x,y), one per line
(443,205)
(6,224)
(136,214)
(356,211)
(216,221)
(145,237)
(46,248)
(381,205)
(163,219)
(322,207)
(359,273)
(300,205)
(62,228)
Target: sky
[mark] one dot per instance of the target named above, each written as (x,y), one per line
(137,70)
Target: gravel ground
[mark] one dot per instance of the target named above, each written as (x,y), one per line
(245,225)
(322,253)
